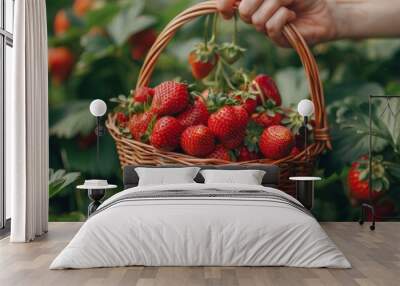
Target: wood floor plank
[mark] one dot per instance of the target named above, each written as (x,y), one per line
(375,257)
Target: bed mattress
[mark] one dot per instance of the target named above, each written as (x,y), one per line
(201,225)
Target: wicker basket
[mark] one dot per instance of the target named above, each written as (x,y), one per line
(134,152)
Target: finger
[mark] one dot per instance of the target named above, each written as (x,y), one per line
(247,8)
(274,26)
(265,12)
(225,7)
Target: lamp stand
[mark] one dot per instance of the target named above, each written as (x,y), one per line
(306,136)
(99,132)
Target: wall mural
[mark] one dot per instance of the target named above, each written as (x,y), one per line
(96,49)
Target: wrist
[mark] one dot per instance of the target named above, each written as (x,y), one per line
(347,16)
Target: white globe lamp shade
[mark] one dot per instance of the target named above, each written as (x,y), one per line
(305,107)
(98,107)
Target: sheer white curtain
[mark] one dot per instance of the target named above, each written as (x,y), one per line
(27,124)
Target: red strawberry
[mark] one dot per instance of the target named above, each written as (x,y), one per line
(143,94)
(221,153)
(170,97)
(276,142)
(265,120)
(61,23)
(122,119)
(197,141)
(235,140)
(195,114)
(166,133)
(245,155)
(142,43)
(223,122)
(268,88)
(61,62)
(201,68)
(242,117)
(138,125)
(80,7)
(295,151)
(250,105)
(228,121)
(357,180)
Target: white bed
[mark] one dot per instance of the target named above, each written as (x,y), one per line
(185,230)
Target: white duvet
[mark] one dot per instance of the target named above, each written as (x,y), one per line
(200,231)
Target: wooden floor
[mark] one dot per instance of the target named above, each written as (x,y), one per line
(375,257)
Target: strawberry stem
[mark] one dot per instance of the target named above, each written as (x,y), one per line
(206,24)
(214,28)
(235,29)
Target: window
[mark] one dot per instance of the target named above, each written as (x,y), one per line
(6,44)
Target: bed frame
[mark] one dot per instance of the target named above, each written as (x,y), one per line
(271,178)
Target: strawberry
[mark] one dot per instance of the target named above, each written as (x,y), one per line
(250,105)
(170,97)
(143,94)
(268,88)
(197,141)
(141,43)
(235,140)
(295,151)
(122,119)
(228,122)
(245,155)
(223,122)
(195,114)
(80,7)
(202,60)
(166,133)
(276,142)
(61,62)
(357,179)
(221,153)
(241,116)
(265,120)
(139,125)
(61,23)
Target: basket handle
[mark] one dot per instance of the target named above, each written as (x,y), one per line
(290,32)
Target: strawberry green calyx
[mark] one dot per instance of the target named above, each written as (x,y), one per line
(253,133)
(379,178)
(206,53)
(215,100)
(294,121)
(127,106)
(231,52)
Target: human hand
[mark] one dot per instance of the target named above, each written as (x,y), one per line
(314,19)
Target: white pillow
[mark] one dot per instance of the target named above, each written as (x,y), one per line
(166,176)
(247,177)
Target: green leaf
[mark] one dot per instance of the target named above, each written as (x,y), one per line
(86,161)
(128,22)
(76,120)
(59,180)
(357,91)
